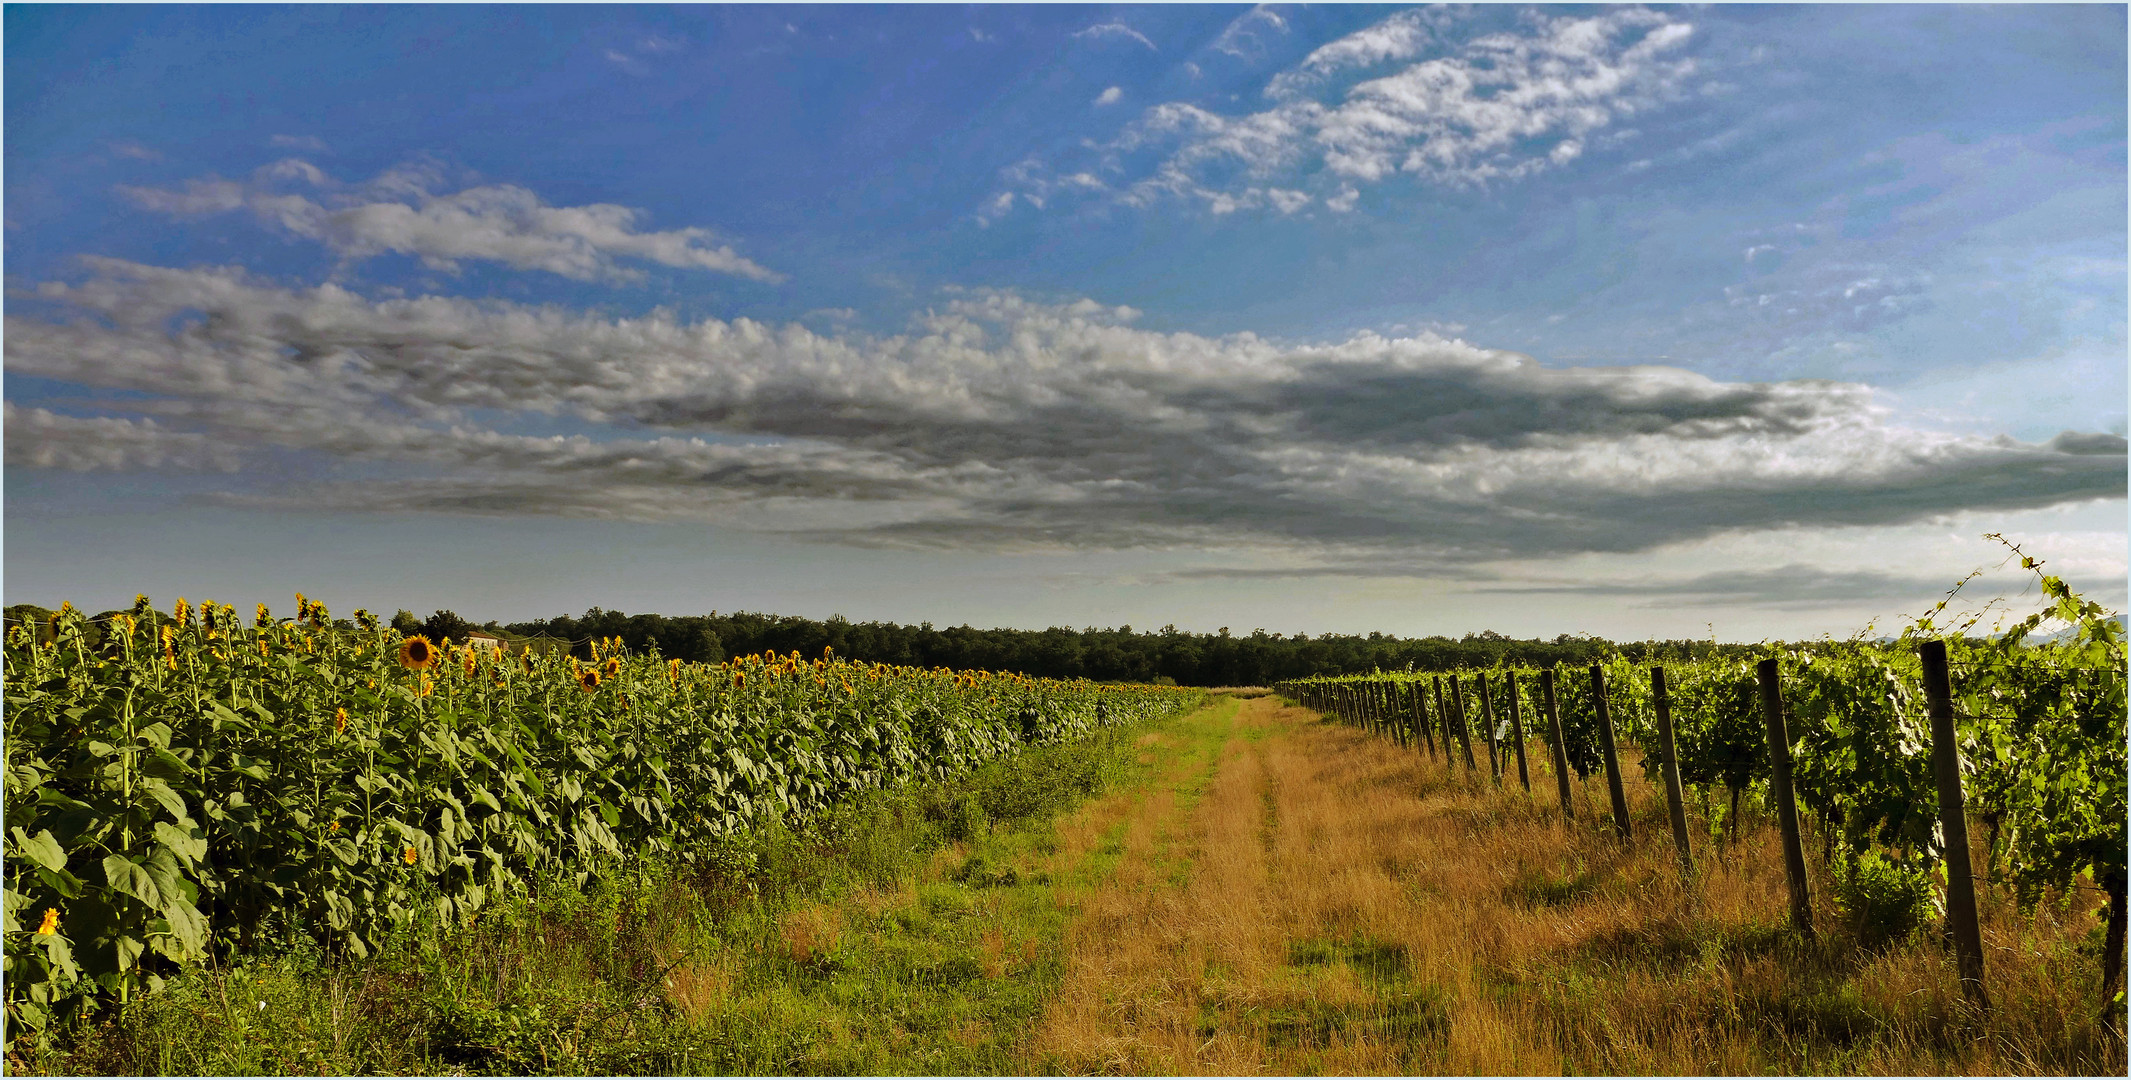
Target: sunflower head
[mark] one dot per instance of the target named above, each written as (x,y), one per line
(588,679)
(340,721)
(140,604)
(263,617)
(303,608)
(467,660)
(50,925)
(417,652)
(614,666)
(411,856)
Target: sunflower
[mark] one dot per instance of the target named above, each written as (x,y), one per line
(588,679)
(417,653)
(614,666)
(468,660)
(181,613)
(303,608)
(411,856)
(263,618)
(340,721)
(50,925)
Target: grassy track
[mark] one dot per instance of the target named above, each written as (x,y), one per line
(1354,908)
(1243,890)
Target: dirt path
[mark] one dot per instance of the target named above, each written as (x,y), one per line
(1289,946)
(1294,897)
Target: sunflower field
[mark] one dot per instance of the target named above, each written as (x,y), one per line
(179,784)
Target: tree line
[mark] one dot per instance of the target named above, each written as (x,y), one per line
(1119,654)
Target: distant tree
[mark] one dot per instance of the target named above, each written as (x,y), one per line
(445,624)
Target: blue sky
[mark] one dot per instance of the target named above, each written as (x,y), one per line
(1622,320)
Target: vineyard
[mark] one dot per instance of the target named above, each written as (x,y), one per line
(1838,742)
(191,794)
(182,785)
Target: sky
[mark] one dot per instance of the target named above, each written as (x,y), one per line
(1729,321)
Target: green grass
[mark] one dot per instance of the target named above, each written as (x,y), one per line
(903,935)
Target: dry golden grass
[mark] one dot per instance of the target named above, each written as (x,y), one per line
(1355,907)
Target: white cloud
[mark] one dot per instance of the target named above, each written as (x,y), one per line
(1401,37)
(399,212)
(312,143)
(1492,109)
(1345,200)
(1287,202)
(993,421)
(1110,97)
(1240,38)
(1115,29)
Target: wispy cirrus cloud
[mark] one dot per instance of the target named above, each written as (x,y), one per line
(311,143)
(1116,30)
(993,421)
(402,212)
(1409,96)
(1244,37)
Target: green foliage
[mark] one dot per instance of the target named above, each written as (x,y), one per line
(181,786)
(1886,900)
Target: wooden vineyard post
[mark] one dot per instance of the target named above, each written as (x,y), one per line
(1445,724)
(1487,713)
(1516,730)
(1457,702)
(1670,747)
(1606,738)
(1561,746)
(1953,821)
(1400,722)
(1779,782)
(1420,716)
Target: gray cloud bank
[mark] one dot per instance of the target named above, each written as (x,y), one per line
(992,422)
